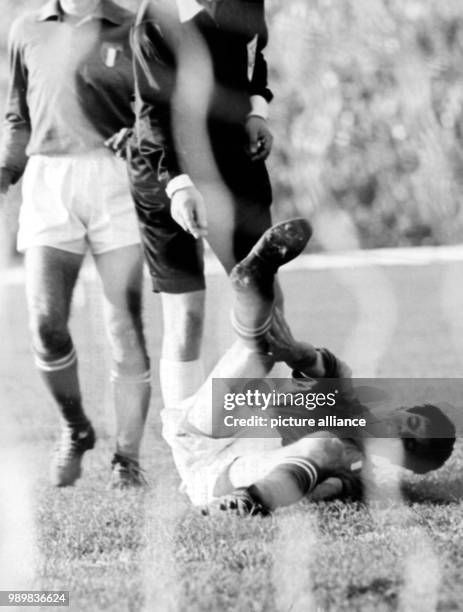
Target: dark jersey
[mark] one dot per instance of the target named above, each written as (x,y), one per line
(71,83)
(233,39)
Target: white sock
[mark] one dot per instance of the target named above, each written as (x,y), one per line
(179,380)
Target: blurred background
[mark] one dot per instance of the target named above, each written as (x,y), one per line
(367,116)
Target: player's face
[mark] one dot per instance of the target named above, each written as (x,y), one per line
(79,8)
(411,425)
(402,424)
(407,432)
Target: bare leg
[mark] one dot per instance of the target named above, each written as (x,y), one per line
(181,371)
(183,315)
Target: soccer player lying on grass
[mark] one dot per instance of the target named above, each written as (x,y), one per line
(251,475)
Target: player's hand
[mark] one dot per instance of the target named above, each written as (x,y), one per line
(189,211)
(283,345)
(330,488)
(346,484)
(117,143)
(260,138)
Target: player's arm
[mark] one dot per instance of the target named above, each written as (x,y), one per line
(259,134)
(155,76)
(346,484)
(16,124)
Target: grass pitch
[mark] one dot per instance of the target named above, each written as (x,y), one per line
(150,551)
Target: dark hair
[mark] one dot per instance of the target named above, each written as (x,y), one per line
(433,452)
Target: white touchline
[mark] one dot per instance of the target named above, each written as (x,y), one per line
(401,256)
(451,302)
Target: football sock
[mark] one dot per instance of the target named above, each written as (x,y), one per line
(132,395)
(253,299)
(287,483)
(179,379)
(60,374)
(250,332)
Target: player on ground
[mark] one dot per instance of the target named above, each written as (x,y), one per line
(250,475)
(197,171)
(70,90)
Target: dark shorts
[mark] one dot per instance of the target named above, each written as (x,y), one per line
(174,257)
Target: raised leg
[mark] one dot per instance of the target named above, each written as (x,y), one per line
(253,279)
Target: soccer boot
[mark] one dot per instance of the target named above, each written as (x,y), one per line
(244,501)
(66,465)
(276,247)
(253,278)
(126,473)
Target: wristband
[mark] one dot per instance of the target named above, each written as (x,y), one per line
(179,182)
(259,107)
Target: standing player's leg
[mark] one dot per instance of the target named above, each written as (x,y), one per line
(181,370)
(51,275)
(175,262)
(121,272)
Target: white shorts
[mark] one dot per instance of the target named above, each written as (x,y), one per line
(203,461)
(77,202)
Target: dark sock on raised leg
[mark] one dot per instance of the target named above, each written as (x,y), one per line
(253,299)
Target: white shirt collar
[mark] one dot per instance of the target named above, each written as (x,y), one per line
(187,9)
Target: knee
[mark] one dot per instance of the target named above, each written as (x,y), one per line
(183,316)
(125,331)
(182,339)
(123,316)
(190,323)
(49,333)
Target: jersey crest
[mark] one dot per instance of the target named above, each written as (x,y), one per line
(111,53)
